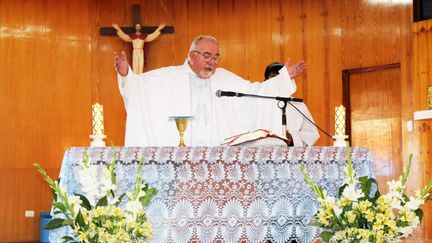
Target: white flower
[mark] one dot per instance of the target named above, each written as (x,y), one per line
(405,231)
(337,210)
(414,203)
(134,207)
(141,194)
(395,185)
(351,193)
(89,184)
(75,201)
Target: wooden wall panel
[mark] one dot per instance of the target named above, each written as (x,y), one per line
(333,63)
(422,78)
(315,86)
(56,65)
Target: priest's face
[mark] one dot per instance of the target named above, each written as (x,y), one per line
(204,60)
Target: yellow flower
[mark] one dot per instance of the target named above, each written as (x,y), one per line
(363,206)
(379,236)
(108,224)
(378,225)
(409,216)
(391,224)
(98,212)
(344,201)
(117,212)
(146,230)
(329,212)
(81,236)
(380,217)
(370,215)
(101,235)
(325,222)
(351,216)
(382,207)
(364,234)
(389,213)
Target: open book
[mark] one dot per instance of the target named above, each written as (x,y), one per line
(254,136)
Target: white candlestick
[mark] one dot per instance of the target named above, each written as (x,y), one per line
(97,126)
(339,137)
(340,120)
(97,119)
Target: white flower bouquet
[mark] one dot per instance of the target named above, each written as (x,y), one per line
(359,215)
(97,216)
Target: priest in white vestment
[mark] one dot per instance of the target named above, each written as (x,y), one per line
(153,97)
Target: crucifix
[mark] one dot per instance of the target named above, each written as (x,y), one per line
(137,35)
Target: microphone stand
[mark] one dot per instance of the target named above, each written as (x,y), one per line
(282,105)
(313,123)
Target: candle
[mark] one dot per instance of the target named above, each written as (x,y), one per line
(97,119)
(340,120)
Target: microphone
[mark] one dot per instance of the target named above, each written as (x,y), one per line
(289,99)
(220,93)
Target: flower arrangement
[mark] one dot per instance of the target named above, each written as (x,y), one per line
(97,216)
(362,215)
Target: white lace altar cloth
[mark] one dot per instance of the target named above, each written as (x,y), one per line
(226,194)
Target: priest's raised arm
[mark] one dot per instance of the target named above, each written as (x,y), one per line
(189,90)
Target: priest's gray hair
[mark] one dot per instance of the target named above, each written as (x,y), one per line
(198,39)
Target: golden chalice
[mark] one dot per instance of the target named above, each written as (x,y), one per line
(181,123)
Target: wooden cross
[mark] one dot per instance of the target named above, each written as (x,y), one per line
(110,31)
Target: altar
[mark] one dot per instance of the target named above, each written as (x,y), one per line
(226,194)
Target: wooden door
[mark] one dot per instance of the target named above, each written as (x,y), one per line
(376,118)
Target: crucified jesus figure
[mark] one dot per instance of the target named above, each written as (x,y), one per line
(138,38)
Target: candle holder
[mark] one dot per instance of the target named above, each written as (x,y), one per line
(98,140)
(339,140)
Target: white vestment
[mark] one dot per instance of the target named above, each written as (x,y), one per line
(303,132)
(152,97)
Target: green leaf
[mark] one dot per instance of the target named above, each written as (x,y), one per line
(341,189)
(377,195)
(111,166)
(68,239)
(407,170)
(80,220)
(67,222)
(419,214)
(54,194)
(315,223)
(402,224)
(85,202)
(120,199)
(326,236)
(60,206)
(57,212)
(102,202)
(54,224)
(405,198)
(86,160)
(148,196)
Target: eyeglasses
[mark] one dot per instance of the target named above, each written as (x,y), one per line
(207,57)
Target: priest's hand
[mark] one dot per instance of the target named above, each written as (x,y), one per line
(295,69)
(121,64)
